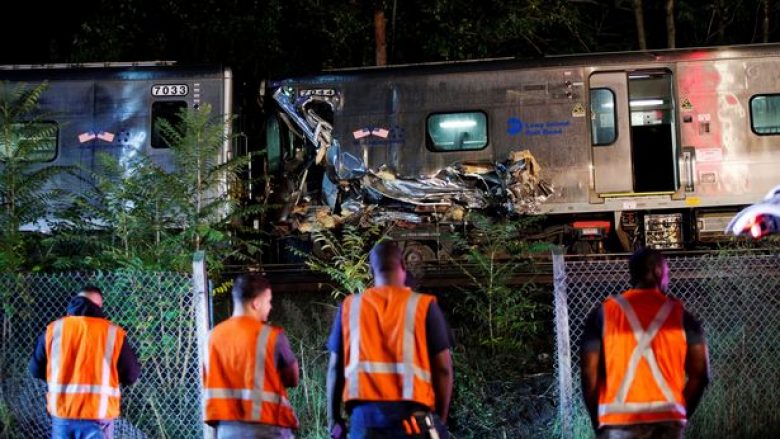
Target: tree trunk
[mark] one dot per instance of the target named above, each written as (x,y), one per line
(766,21)
(380,35)
(721,21)
(640,24)
(670,31)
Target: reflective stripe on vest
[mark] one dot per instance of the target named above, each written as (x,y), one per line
(258,395)
(406,369)
(643,350)
(105,390)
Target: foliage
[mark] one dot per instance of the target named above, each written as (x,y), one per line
(140,215)
(345,259)
(6,420)
(307,328)
(119,221)
(500,331)
(502,316)
(24,197)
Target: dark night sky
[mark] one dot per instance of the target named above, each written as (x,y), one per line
(38,32)
(34,29)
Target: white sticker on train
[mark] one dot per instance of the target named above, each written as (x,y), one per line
(170,90)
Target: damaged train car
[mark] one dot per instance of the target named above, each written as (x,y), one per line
(615,150)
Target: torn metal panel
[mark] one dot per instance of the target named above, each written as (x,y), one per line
(391,217)
(526,189)
(314,127)
(344,166)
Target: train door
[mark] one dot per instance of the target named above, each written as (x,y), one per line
(633,134)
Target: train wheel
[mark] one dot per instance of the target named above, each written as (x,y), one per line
(417,253)
(581,248)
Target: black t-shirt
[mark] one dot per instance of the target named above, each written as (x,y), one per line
(594,329)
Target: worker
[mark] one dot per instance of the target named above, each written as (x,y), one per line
(389,358)
(84,358)
(644,359)
(248,366)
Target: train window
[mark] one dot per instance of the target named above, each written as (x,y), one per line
(457,131)
(41,137)
(168,111)
(765,114)
(603,116)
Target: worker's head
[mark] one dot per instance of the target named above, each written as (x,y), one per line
(252,296)
(387,264)
(648,269)
(93,294)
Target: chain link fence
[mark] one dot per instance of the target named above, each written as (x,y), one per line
(158,312)
(737,299)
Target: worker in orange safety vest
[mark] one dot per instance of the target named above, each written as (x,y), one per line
(390,358)
(248,364)
(84,358)
(644,359)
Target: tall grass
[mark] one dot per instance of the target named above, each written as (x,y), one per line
(307,325)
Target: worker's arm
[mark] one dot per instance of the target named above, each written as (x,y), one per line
(589,369)
(697,363)
(590,363)
(440,342)
(290,375)
(127,366)
(334,385)
(286,361)
(37,364)
(334,389)
(442,377)
(697,369)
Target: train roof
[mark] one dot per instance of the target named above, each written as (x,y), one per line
(109,71)
(570,60)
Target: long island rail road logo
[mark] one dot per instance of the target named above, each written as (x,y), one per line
(516,126)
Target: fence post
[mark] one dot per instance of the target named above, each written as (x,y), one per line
(563,342)
(202,300)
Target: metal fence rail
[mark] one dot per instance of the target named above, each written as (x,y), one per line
(158,312)
(737,299)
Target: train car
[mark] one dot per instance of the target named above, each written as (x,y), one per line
(114,108)
(616,150)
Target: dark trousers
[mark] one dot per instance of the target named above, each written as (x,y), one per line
(81,429)
(657,430)
(357,431)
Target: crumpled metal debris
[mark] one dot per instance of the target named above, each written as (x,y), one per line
(515,184)
(357,193)
(526,190)
(446,188)
(316,129)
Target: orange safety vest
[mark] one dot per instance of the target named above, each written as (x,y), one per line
(81,374)
(241,381)
(644,350)
(385,346)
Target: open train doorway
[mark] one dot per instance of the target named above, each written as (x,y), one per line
(633,133)
(653,132)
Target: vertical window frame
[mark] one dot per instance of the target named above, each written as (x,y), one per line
(614,116)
